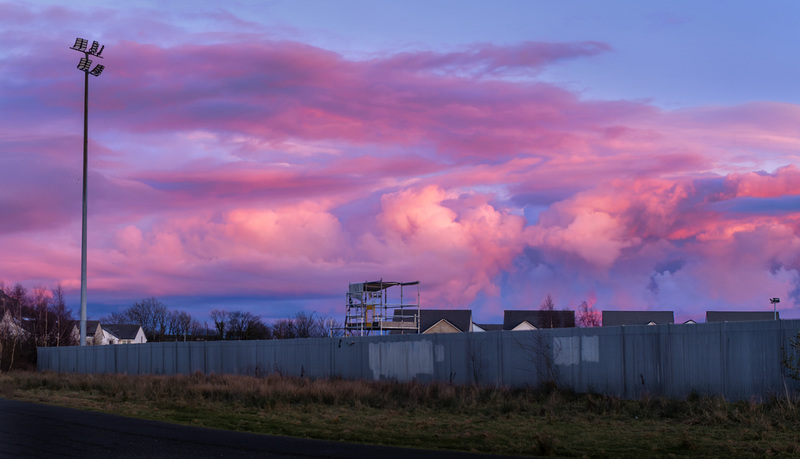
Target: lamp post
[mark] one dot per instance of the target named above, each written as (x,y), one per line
(775,302)
(84,65)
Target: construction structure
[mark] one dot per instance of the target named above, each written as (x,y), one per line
(371,310)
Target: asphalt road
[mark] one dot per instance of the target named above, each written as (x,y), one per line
(34,430)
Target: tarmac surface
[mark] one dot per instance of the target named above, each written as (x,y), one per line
(34,430)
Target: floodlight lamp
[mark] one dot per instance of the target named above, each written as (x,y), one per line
(93,49)
(97,70)
(80,44)
(98,54)
(84,64)
(775,300)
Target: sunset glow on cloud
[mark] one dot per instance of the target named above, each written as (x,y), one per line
(236,163)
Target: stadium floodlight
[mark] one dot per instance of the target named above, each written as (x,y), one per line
(84,66)
(80,44)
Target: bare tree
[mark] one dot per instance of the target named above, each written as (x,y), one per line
(180,323)
(284,329)
(588,316)
(220,319)
(151,314)
(306,325)
(541,351)
(549,316)
(64,319)
(245,325)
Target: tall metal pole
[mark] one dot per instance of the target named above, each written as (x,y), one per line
(83,221)
(85,65)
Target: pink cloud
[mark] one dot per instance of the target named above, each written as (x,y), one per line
(221,166)
(784,182)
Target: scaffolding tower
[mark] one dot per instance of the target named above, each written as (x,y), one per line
(372,310)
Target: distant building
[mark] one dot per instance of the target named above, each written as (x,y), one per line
(438,320)
(124,334)
(98,334)
(517,320)
(11,328)
(445,320)
(486,327)
(615,318)
(739,316)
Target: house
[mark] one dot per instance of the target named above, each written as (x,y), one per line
(614,318)
(517,320)
(98,334)
(445,320)
(740,316)
(439,320)
(11,328)
(94,334)
(123,334)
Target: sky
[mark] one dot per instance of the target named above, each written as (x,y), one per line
(261,155)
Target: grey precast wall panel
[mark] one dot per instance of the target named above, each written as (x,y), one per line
(753,373)
(246,355)
(738,360)
(316,355)
(197,356)
(107,361)
(213,357)
(128,360)
(183,358)
(265,357)
(523,353)
(350,357)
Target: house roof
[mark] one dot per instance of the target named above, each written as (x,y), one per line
(538,318)
(612,318)
(459,318)
(91,326)
(442,326)
(122,331)
(490,327)
(739,316)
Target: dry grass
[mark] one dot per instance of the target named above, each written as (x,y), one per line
(436,415)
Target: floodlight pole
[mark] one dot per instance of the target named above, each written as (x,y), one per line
(84,66)
(84,210)
(775,302)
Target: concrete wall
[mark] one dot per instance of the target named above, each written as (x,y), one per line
(739,360)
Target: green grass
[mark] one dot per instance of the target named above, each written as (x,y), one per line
(443,416)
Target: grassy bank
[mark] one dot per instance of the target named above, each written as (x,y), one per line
(485,419)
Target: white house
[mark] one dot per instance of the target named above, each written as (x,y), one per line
(98,334)
(123,334)
(10,328)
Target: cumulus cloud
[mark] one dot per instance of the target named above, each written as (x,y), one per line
(225,164)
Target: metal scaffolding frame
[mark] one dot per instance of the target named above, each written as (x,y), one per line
(371,310)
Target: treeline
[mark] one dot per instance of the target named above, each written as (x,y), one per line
(28,319)
(161,324)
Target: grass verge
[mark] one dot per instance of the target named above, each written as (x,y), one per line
(438,416)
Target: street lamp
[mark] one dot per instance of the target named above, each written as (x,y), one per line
(775,302)
(84,65)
